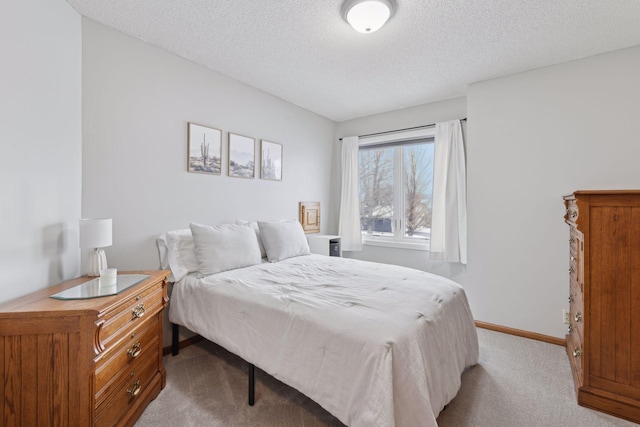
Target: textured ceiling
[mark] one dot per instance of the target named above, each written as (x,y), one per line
(303,52)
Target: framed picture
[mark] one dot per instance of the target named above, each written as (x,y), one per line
(204,149)
(271,161)
(242,154)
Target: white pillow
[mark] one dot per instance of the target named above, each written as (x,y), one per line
(163,253)
(283,239)
(224,247)
(161,243)
(181,256)
(254,224)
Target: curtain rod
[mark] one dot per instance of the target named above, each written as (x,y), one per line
(400,130)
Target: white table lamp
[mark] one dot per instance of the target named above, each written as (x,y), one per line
(95,233)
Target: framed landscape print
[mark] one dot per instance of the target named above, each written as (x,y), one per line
(204,149)
(242,154)
(271,160)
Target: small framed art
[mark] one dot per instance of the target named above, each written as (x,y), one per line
(242,154)
(204,149)
(271,160)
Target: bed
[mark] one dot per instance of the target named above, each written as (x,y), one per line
(373,344)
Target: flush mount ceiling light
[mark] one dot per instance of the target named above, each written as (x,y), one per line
(367,16)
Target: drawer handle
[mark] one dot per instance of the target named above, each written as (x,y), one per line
(138,312)
(578,317)
(135,388)
(135,350)
(577,352)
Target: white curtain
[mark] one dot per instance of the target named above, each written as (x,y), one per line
(449,211)
(349,225)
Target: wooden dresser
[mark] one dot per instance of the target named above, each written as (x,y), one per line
(89,362)
(603,343)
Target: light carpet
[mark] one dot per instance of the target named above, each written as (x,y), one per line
(518,382)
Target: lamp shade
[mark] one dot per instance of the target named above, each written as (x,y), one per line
(367,16)
(95,232)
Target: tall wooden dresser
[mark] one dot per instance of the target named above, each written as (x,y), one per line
(603,343)
(82,362)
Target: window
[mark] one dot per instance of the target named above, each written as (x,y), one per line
(395,189)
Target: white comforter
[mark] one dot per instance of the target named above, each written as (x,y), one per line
(374,344)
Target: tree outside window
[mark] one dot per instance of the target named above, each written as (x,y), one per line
(418,189)
(396,188)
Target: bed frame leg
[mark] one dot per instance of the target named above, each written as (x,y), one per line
(252,384)
(175,333)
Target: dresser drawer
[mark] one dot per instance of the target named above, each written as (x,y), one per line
(124,354)
(576,311)
(131,386)
(126,316)
(573,267)
(152,355)
(575,349)
(573,241)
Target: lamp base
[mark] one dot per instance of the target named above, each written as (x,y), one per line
(96,261)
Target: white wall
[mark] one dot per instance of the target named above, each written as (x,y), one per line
(137,100)
(533,137)
(40,145)
(399,119)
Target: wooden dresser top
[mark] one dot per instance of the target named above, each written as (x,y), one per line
(40,301)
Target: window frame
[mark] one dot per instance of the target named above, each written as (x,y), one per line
(398,139)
